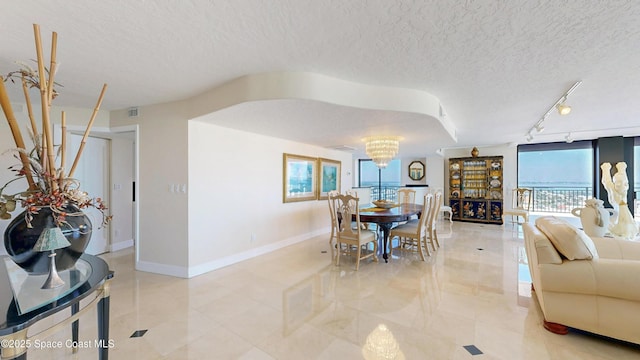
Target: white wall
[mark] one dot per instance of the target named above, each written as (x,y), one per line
(436,175)
(162,245)
(185,234)
(235,196)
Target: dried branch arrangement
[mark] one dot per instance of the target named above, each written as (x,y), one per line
(49,185)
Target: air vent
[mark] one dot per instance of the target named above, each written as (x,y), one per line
(342,148)
(133,112)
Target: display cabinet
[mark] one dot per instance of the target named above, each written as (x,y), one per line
(475,189)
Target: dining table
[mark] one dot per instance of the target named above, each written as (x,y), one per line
(386,218)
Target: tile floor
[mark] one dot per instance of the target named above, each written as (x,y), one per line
(471,297)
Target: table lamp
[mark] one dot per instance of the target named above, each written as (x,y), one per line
(50,240)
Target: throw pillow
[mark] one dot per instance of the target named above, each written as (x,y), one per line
(570,241)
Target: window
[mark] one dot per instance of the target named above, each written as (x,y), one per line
(383,183)
(560,174)
(636,177)
(636,167)
(369,173)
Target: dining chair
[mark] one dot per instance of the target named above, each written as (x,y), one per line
(334,220)
(345,207)
(447,209)
(521,199)
(413,234)
(406,196)
(363,193)
(432,233)
(444,209)
(355,194)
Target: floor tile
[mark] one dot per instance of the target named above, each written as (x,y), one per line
(295,303)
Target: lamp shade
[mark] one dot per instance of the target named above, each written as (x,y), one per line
(51,239)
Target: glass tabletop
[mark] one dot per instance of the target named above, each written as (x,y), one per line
(27,290)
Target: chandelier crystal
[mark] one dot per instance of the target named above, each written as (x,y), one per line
(382,149)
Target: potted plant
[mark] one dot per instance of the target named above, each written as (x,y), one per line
(51,197)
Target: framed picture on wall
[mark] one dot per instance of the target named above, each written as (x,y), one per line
(329,177)
(299,178)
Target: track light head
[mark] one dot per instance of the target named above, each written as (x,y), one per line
(539,127)
(563,109)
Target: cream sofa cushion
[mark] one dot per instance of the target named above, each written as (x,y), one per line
(570,241)
(612,248)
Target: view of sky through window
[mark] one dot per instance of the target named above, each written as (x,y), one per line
(391,175)
(556,168)
(636,167)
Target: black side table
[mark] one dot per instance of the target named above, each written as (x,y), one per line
(90,278)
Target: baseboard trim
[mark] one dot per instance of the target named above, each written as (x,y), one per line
(121,245)
(183,272)
(163,269)
(251,253)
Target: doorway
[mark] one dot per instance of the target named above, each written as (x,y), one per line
(92,172)
(119,169)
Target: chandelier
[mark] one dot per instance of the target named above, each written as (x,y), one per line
(382,149)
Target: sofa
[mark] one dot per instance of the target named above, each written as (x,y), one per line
(591,284)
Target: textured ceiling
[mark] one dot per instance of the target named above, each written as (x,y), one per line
(495,66)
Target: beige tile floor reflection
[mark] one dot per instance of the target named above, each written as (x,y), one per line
(296,304)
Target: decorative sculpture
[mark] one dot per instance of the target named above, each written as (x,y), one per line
(594,217)
(624,226)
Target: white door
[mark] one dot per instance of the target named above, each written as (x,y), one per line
(93,173)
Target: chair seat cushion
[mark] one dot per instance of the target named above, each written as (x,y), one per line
(365,237)
(408,229)
(570,241)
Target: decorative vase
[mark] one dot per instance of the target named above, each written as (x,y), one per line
(475,152)
(20,239)
(594,217)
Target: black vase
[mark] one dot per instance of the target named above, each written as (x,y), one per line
(19,240)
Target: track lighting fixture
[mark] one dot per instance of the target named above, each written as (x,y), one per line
(563,109)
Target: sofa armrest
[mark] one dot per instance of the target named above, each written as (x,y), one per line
(611,248)
(539,249)
(603,277)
